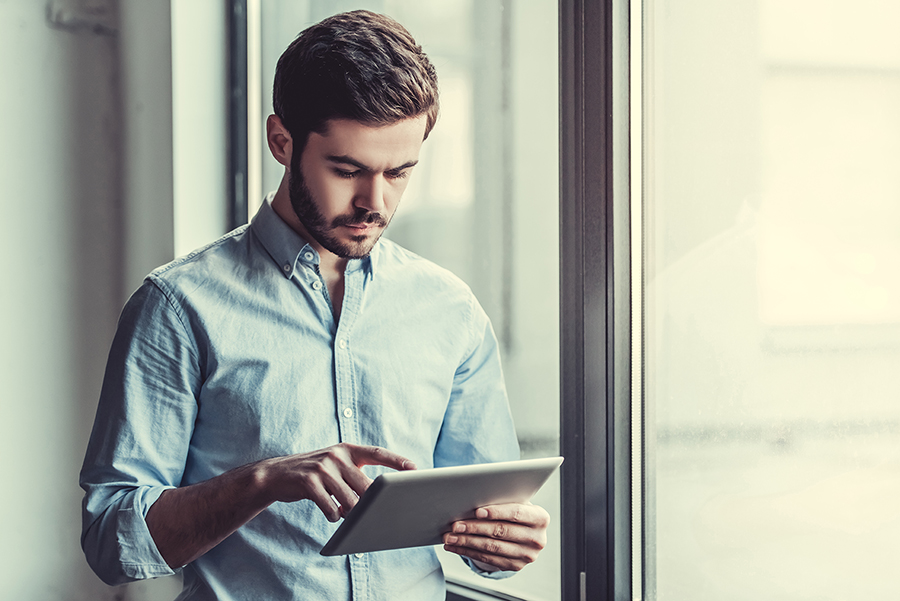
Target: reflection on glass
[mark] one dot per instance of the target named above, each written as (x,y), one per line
(483,201)
(772,205)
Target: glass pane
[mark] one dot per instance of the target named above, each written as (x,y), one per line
(483,201)
(772,228)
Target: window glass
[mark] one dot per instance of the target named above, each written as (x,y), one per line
(772,307)
(483,201)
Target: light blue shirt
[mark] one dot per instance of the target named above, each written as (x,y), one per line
(232,354)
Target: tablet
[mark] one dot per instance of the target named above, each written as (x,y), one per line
(414,508)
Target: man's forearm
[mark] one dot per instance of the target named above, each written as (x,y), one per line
(187,522)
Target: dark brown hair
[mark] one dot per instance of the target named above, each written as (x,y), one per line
(357,65)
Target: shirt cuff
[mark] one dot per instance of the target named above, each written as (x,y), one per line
(139,556)
(486,570)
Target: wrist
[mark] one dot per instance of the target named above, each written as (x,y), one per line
(258,482)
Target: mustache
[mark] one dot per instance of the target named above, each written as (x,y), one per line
(361,217)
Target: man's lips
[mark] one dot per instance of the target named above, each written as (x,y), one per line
(360,226)
(364,226)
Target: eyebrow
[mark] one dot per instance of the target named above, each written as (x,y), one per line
(347,160)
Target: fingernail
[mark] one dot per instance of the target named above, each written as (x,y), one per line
(481,513)
(409,465)
(451,540)
(459,527)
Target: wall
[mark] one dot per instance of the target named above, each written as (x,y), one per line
(60,180)
(86,186)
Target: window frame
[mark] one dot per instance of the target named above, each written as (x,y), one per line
(595,300)
(238,122)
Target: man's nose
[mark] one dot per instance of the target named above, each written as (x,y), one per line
(370,193)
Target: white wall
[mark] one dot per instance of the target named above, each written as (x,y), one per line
(199,130)
(86,189)
(60,184)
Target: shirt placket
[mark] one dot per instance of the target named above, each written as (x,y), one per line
(347,406)
(345,397)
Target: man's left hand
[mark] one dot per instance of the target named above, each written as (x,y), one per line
(507,536)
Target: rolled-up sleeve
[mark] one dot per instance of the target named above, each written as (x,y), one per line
(141,435)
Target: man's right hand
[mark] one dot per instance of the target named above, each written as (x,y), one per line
(187,522)
(326,473)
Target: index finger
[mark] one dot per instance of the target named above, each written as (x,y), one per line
(371,455)
(516,513)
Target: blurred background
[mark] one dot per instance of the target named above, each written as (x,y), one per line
(771,151)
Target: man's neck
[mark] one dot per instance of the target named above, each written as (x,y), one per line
(331,266)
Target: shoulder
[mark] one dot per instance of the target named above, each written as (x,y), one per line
(207,265)
(402,267)
(427,295)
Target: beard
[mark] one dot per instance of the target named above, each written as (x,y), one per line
(307,209)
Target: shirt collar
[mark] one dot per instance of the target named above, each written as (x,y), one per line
(287,248)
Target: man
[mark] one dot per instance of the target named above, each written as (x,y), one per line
(250,381)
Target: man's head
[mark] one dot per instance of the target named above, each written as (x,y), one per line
(354,98)
(359,66)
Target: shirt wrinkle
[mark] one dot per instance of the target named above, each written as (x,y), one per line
(167,293)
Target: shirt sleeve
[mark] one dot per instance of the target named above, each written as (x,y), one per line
(141,434)
(478,425)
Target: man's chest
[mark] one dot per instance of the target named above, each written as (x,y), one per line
(290,382)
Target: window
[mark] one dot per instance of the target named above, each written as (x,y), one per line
(729,332)
(771,301)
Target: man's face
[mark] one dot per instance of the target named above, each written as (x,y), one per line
(346,183)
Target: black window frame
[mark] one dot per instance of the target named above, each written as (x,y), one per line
(237,136)
(595,300)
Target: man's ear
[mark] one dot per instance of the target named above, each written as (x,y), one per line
(280,142)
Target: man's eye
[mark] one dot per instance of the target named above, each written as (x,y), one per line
(396,174)
(345,174)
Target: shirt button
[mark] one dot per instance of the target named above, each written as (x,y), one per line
(342,343)
(308,256)
(317,285)
(348,412)
(358,555)
(287,268)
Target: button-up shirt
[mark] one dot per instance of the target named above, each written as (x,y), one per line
(232,354)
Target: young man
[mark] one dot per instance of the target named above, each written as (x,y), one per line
(249,382)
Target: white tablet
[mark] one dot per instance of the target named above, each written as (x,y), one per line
(414,508)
